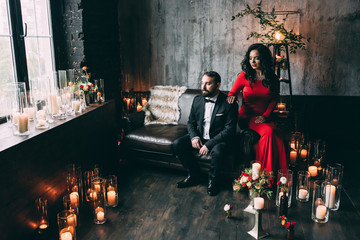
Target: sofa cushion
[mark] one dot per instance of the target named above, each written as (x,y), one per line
(154,137)
(163,105)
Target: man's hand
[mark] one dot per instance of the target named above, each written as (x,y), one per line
(196,143)
(204,150)
(260,119)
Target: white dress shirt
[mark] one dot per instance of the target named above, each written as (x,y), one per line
(209,108)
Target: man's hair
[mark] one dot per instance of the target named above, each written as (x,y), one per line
(215,75)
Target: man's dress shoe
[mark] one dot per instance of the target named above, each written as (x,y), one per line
(212,189)
(188,182)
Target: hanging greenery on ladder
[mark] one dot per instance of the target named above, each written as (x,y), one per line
(276,31)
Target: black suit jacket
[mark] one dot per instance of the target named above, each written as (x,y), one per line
(222,124)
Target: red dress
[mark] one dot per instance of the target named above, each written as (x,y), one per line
(258,101)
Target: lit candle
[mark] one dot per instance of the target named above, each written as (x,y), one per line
(256,170)
(43,224)
(66,236)
(313,171)
(143,101)
(258,203)
(128,104)
(293,155)
(97,187)
(303,153)
(71,219)
(76,105)
(320,212)
(74,196)
(281,107)
(111,196)
(53,103)
(330,196)
(23,123)
(138,107)
(292,144)
(100,214)
(303,193)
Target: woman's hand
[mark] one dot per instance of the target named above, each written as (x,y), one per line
(230,99)
(260,119)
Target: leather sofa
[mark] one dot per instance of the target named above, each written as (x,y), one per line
(153,143)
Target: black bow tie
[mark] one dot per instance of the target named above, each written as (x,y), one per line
(209,100)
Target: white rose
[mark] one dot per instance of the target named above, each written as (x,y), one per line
(86,87)
(283,180)
(226,207)
(248,184)
(244,179)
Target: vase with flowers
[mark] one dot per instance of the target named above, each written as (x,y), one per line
(86,88)
(290,227)
(257,184)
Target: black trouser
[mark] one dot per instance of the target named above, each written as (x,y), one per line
(185,152)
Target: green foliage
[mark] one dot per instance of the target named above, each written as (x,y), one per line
(269,22)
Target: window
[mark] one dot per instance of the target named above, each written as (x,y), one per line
(26,40)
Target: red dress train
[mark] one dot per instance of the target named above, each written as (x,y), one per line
(258,101)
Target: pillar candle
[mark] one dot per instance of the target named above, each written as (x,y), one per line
(76,105)
(330,196)
(71,219)
(313,171)
(100,214)
(303,193)
(256,170)
(66,236)
(74,196)
(320,212)
(23,123)
(303,153)
(292,144)
(258,203)
(128,104)
(97,187)
(111,196)
(293,155)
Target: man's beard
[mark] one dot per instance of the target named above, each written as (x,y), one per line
(207,93)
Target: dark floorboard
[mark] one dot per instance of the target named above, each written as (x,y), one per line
(151,207)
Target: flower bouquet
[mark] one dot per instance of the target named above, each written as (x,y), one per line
(227,209)
(86,88)
(260,185)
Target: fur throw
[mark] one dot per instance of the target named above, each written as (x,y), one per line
(163,105)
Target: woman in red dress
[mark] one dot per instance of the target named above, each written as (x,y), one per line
(260,91)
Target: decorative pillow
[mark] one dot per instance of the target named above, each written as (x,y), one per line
(163,105)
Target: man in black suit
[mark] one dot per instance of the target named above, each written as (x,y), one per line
(211,125)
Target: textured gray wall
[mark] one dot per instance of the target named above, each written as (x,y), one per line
(172,42)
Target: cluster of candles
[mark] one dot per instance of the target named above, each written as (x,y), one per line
(88,187)
(135,103)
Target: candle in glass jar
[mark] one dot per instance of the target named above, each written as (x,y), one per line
(53,103)
(66,236)
(258,203)
(15,117)
(128,103)
(303,193)
(303,153)
(30,111)
(143,101)
(320,212)
(71,219)
(74,198)
(43,224)
(100,214)
(293,155)
(76,105)
(281,106)
(313,171)
(111,196)
(41,115)
(23,123)
(330,191)
(138,107)
(292,144)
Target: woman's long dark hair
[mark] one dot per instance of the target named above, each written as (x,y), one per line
(271,81)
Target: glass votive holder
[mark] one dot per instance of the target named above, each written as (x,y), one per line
(334,174)
(101,91)
(70,204)
(98,199)
(319,212)
(111,191)
(303,186)
(284,188)
(41,209)
(67,225)
(87,185)
(53,103)
(20,124)
(40,119)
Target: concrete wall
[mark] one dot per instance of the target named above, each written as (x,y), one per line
(173,42)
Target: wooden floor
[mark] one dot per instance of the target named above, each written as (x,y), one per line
(151,207)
